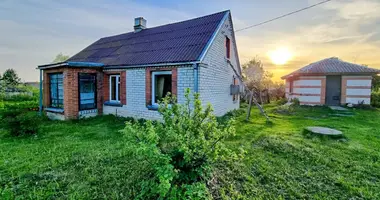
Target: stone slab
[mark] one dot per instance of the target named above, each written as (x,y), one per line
(323,130)
(338,108)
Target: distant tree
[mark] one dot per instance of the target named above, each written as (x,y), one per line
(376,83)
(256,77)
(60,58)
(10,78)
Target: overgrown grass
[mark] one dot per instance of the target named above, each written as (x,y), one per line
(86,159)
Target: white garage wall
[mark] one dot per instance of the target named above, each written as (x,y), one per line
(358,100)
(358,82)
(307,83)
(350,91)
(307,90)
(309,98)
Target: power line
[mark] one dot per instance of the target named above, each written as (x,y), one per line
(282,16)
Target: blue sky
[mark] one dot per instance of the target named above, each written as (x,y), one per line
(34,31)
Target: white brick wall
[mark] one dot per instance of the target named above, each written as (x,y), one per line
(136,103)
(216,76)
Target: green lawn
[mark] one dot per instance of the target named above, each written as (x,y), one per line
(86,159)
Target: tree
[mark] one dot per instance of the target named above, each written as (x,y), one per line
(10,78)
(256,77)
(61,58)
(376,83)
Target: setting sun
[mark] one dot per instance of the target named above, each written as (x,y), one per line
(280,56)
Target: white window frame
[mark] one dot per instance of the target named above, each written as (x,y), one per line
(154,74)
(117,88)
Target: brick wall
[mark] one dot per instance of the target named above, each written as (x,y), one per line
(123,86)
(215,78)
(71,89)
(137,82)
(148,80)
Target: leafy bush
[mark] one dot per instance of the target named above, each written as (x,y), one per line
(25,105)
(181,151)
(295,101)
(282,101)
(375,99)
(19,123)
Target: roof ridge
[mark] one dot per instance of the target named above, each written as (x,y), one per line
(196,18)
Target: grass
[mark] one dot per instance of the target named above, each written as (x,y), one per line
(86,159)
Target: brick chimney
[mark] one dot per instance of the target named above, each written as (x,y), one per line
(140,24)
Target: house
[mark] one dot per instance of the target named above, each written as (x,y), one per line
(330,82)
(128,74)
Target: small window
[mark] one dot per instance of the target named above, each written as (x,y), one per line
(228,47)
(161,85)
(56,90)
(87,91)
(115,88)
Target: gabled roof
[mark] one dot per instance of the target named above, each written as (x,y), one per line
(172,43)
(332,66)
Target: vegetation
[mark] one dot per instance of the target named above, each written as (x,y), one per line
(10,78)
(60,58)
(89,159)
(260,82)
(375,99)
(180,152)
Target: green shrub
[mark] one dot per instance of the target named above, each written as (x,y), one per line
(282,101)
(181,151)
(375,99)
(20,123)
(295,101)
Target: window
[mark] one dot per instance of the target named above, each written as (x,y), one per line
(87,91)
(115,88)
(161,85)
(56,90)
(228,47)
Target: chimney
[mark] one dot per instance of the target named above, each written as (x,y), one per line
(140,24)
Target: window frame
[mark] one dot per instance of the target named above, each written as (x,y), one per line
(154,74)
(95,92)
(50,93)
(228,47)
(117,95)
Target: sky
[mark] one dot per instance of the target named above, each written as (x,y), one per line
(33,32)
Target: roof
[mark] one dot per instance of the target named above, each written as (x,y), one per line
(71,64)
(332,66)
(172,43)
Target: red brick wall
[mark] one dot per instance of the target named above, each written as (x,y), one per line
(123,88)
(148,82)
(71,93)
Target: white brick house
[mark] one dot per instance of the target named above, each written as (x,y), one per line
(133,71)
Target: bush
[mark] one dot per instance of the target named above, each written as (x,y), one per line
(282,101)
(295,101)
(181,151)
(375,99)
(20,123)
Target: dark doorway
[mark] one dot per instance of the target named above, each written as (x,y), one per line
(333,90)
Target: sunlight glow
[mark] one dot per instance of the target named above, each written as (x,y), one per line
(280,56)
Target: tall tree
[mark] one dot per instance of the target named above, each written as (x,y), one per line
(10,78)
(256,77)
(376,83)
(60,58)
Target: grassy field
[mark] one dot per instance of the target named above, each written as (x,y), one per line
(86,159)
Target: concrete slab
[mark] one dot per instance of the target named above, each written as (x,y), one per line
(338,108)
(323,130)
